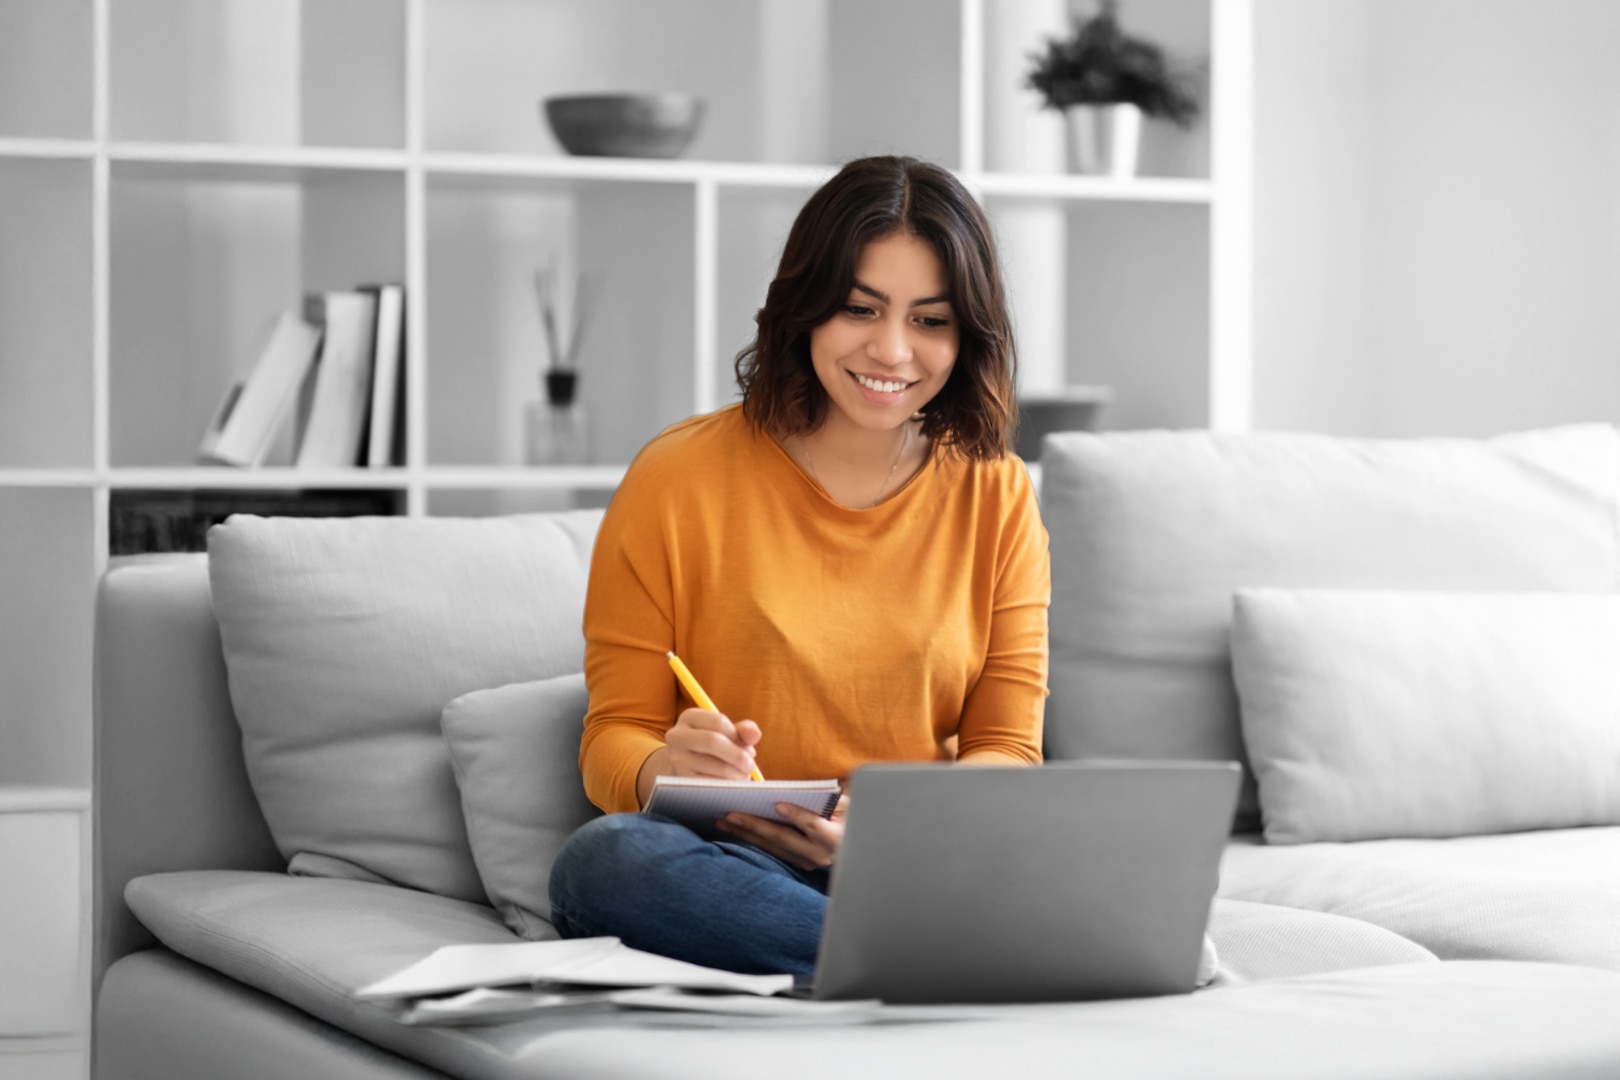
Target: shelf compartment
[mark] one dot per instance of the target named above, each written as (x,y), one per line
(259,72)
(483,90)
(751,232)
(200,271)
(48,578)
(47,68)
(46,270)
(486,349)
(1113,295)
(1021,137)
(159,520)
(807,82)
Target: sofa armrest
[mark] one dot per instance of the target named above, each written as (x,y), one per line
(171,791)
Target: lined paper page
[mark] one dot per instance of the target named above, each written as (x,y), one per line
(697,802)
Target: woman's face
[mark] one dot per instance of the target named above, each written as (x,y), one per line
(892,346)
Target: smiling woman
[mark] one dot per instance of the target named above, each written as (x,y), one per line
(850,561)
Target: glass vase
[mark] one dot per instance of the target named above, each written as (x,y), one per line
(557,434)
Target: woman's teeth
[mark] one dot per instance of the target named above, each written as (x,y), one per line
(879,386)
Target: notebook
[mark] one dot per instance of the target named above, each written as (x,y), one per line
(698,803)
(1071,881)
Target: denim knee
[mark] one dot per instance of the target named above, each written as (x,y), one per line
(603,861)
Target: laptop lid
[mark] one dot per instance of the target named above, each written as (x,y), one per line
(1070,881)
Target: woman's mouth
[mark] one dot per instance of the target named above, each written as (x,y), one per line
(881,391)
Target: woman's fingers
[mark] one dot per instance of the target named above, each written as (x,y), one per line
(809,842)
(706,743)
(785,843)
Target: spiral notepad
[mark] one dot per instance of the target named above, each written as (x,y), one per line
(698,803)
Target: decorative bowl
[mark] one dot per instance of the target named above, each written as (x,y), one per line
(624,125)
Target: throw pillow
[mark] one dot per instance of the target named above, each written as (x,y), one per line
(345,638)
(515,750)
(1372,715)
(1153,531)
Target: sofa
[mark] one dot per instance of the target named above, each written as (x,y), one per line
(328,747)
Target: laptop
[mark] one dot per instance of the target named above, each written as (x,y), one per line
(979,884)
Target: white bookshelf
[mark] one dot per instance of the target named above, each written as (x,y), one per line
(44,903)
(175,173)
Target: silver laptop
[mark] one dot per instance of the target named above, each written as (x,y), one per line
(1072,881)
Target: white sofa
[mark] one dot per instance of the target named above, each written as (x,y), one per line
(388,708)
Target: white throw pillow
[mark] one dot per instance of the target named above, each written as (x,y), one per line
(1371,715)
(345,638)
(515,750)
(1153,531)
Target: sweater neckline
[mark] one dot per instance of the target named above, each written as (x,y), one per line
(793,463)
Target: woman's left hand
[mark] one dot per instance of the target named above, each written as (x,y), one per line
(809,843)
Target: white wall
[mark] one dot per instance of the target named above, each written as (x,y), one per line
(1437,215)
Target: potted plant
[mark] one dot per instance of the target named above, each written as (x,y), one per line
(1104,81)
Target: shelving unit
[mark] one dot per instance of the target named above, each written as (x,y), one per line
(45,902)
(175,173)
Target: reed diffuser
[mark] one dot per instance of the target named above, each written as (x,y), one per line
(557,430)
(561,376)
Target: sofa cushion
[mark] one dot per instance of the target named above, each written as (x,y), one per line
(1266,941)
(160,1016)
(345,638)
(1550,896)
(515,750)
(1152,532)
(311,943)
(1369,715)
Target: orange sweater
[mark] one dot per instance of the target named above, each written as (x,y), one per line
(848,635)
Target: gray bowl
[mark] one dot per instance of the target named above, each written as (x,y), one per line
(624,125)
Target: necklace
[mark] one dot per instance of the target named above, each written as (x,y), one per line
(905,440)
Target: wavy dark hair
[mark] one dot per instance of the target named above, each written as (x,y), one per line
(975,414)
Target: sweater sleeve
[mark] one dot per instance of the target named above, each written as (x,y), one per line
(629,625)
(1005,709)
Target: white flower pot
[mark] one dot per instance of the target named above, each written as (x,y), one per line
(1103,140)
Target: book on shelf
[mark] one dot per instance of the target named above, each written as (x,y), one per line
(334,431)
(145,521)
(256,408)
(384,444)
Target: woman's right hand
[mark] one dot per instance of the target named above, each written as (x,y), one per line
(703,743)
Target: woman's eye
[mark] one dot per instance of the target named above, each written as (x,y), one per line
(857,310)
(934,322)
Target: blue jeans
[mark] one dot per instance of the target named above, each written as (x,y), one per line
(659,887)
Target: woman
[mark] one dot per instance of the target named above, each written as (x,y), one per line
(850,561)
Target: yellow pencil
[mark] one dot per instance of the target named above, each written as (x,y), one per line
(701,699)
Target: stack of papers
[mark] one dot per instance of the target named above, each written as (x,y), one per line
(482,984)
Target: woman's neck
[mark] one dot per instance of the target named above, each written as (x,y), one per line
(848,447)
(857,466)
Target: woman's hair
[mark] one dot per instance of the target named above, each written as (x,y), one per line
(974,415)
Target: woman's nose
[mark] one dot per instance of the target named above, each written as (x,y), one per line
(889,344)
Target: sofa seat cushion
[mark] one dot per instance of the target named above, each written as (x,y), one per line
(1551,895)
(293,936)
(312,942)
(1254,942)
(160,1015)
